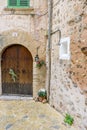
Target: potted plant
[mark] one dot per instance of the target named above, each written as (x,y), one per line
(42,94)
(40,63)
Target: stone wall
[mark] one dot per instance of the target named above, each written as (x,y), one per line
(26,27)
(68,88)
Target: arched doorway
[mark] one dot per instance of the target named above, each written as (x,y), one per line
(17,70)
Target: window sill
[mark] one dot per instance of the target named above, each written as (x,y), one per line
(19,9)
(64,57)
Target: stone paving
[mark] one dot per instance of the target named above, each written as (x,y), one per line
(30,115)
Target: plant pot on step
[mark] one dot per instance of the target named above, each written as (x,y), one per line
(41,98)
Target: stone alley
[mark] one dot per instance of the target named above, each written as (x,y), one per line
(27,114)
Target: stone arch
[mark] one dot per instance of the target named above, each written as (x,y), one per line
(23,38)
(20,37)
(18,59)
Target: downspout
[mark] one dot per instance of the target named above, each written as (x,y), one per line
(49,44)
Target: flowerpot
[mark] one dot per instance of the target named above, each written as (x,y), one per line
(41,98)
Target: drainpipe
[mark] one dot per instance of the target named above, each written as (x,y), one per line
(49,45)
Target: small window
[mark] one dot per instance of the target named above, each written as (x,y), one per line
(18,3)
(64,50)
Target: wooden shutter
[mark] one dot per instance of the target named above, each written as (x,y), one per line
(12,2)
(24,2)
(18,3)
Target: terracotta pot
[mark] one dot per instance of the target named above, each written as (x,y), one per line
(41,98)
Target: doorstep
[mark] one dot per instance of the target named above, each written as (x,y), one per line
(16,97)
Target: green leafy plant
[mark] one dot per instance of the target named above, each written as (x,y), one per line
(68,119)
(42,93)
(39,64)
(13,75)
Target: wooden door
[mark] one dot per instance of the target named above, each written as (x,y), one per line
(17,67)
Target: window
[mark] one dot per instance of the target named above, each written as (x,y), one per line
(18,3)
(64,50)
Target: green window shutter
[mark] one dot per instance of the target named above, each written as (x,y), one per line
(12,2)
(24,2)
(18,3)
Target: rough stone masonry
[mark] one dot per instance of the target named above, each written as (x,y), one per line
(68,90)
(26,27)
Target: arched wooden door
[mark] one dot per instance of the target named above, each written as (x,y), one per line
(17,65)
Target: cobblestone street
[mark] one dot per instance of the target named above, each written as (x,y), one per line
(30,115)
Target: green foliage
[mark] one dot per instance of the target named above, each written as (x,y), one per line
(68,119)
(13,75)
(39,64)
(42,93)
